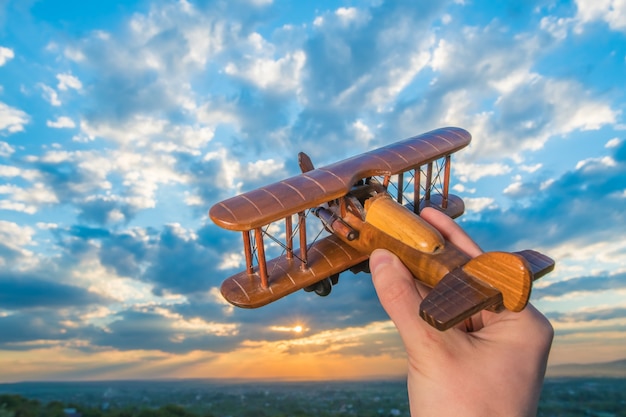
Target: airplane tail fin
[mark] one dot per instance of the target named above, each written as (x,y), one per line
(305,163)
(489,281)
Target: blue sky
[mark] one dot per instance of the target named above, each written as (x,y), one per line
(121,123)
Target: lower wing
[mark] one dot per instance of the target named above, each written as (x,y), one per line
(326,257)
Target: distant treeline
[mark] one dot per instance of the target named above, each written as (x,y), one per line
(566,397)
(18,406)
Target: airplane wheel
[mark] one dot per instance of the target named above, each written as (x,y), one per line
(323,287)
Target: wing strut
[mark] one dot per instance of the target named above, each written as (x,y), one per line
(417,181)
(400,187)
(429,181)
(260,246)
(446,183)
(303,249)
(247,248)
(289,237)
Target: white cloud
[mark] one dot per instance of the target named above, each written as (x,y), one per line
(50,95)
(362,133)
(613,143)
(531,168)
(478,204)
(19,207)
(596,164)
(6,149)
(74,54)
(558,27)
(10,171)
(14,235)
(263,168)
(6,55)
(546,184)
(352,16)
(461,188)
(514,188)
(613,12)
(67,81)
(26,200)
(12,119)
(396,76)
(281,75)
(137,131)
(527,108)
(576,110)
(473,172)
(61,122)
(193,199)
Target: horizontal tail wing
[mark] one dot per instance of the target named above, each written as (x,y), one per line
(456,297)
(490,280)
(539,263)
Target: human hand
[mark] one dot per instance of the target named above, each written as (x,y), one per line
(496,370)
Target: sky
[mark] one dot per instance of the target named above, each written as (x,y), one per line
(123,122)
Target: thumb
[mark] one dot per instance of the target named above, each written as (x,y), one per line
(397,290)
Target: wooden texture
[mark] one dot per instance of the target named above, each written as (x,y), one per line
(326,257)
(470,296)
(276,201)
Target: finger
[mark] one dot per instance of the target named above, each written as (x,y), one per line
(451,231)
(396,290)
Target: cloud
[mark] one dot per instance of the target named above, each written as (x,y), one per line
(181,264)
(27,200)
(61,122)
(31,329)
(473,172)
(68,81)
(278,76)
(579,207)
(6,54)
(592,315)
(50,95)
(5,150)
(12,119)
(154,329)
(582,284)
(612,12)
(23,291)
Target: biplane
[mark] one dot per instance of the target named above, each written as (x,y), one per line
(370,201)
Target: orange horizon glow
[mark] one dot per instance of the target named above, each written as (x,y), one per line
(372,352)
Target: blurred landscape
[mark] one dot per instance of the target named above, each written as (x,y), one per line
(570,390)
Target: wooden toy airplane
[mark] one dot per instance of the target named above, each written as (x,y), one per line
(365,203)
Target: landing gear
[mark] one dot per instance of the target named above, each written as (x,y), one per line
(323,287)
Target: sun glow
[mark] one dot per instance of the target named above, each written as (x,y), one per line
(297,328)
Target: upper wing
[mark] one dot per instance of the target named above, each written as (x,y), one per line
(264,205)
(326,257)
